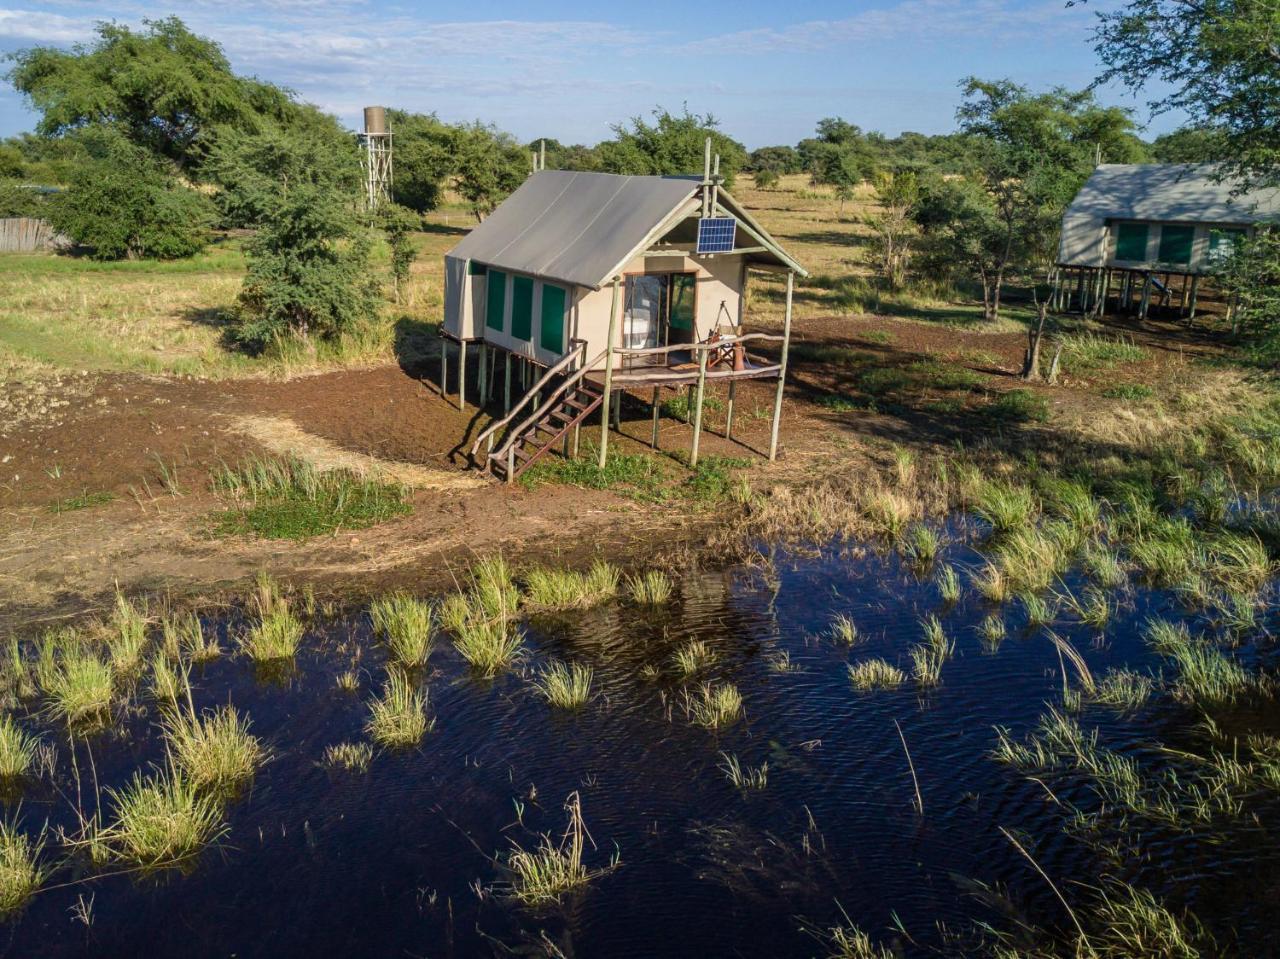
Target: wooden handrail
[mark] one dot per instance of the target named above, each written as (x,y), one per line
(560,390)
(579,347)
(717,345)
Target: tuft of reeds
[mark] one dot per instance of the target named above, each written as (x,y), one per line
(79,687)
(850,942)
(185,632)
(17,752)
(1167,551)
(127,637)
(275,636)
(489,645)
(844,630)
(714,706)
(405,624)
(948,585)
(991,584)
(215,752)
(348,680)
(493,592)
(693,657)
(1090,607)
(1004,506)
(21,871)
(167,681)
(565,685)
(352,757)
(921,546)
(992,632)
(548,588)
(1039,611)
(161,821)
(1205,674)
(553,869)
(651,588)
(927,658)
(1104,567)
(780,662)
(1240,563)
(888,513)
(876,674)
(744,777)
(398,718)
(1123,689)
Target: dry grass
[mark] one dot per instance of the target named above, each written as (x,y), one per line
(398,718)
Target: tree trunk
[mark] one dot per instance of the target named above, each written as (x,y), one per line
(995,296)
(1031,359)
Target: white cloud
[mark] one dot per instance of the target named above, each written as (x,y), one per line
(31,26)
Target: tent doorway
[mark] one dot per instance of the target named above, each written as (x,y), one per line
(659,310)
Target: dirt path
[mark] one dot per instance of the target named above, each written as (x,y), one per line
(148,445)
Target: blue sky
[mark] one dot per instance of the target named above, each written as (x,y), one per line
(768,70)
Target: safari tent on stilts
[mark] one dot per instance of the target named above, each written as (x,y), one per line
(581,286)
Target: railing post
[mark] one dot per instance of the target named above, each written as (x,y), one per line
(608,374)
(697,409)
(657,411)
(782,370)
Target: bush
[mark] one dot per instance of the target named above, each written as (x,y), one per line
(308,273)
(127,204)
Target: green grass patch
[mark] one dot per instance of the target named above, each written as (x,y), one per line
(640,476)
(290,499)
(83,501)
(678,406)
(1129,391)
(1019,406)
(1090,351)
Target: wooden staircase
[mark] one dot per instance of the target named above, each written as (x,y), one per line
(551,424)
(567,405)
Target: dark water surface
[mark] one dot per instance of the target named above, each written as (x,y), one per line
(388,863)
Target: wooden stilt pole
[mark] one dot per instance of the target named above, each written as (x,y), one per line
(782,370)
(608,374)
(444,366)
(657,412)
(697,410)
(688,405)
(484,373)
(1146,298)
(1195,293)
(462,374)
(617,411)
(506,385)
(728,409)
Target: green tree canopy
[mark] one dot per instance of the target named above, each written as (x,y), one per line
(490,164)
(425,158)
(1217,60)
(127,202)
(164,86)
(308,273)
(256,169)
(1188,145)
(673,144)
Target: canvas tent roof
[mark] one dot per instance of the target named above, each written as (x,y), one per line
(580,228)
(1161,192)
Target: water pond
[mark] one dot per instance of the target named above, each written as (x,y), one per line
(406,857)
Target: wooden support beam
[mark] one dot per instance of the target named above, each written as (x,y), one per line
(608,373)
(657,413)
(506,385)
(1146,297)
(444,367)
(462,374)
(484,374)
(1195,293)
(697,410)
(728,409)
(782,371)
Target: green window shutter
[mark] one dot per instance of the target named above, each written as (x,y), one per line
(551,322)
(683,289)
(1131,242)
(522,307)
(1175,243)
(476,269)
(495,303)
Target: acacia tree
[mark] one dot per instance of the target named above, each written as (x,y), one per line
(674,143)
(1029,155)
(1216,60)
(892,226)
(308,273)
(489,165)
(163,86)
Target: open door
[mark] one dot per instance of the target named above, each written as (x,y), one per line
(658,311)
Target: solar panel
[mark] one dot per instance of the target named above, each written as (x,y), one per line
(716,234)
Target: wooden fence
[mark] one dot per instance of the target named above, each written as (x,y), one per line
(25,234)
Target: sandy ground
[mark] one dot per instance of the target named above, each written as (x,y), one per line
(152,443)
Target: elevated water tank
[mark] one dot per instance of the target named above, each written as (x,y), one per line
(375,120)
